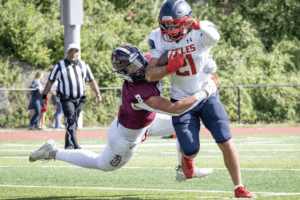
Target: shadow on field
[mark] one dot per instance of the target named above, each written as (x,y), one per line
(119,197)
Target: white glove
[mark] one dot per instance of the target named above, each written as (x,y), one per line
(211,66)
(210,87)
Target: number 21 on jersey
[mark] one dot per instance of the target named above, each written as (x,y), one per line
(192,64)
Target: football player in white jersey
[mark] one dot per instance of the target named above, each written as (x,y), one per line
(189,69)
(141,114)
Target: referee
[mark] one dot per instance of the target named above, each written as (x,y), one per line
(71,73)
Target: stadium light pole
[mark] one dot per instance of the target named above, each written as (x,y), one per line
(71,15)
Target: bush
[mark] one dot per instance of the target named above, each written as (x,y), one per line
(259,45)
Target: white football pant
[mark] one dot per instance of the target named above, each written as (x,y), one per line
(121,145)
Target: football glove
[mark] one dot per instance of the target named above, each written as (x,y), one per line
(210,87)
(176,62)
(189,23)
(210,67)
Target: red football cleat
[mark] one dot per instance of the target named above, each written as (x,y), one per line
(187,166)
(242,192)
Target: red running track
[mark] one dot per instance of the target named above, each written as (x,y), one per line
(37,135)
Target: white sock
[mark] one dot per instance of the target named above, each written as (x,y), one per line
(236,186)
(178,152)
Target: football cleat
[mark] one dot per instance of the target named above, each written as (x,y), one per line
(43,152)
(188,167)
(242,192)
(199,173)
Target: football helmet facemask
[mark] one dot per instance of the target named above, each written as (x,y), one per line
(170,15)
(129,63)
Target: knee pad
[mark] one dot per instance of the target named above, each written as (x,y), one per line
(220,130)
(191,151)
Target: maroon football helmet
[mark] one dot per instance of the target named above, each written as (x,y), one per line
(129,63)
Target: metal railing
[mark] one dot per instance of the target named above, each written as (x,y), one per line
(239,87)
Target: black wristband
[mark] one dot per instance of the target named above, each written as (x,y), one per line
(44,96)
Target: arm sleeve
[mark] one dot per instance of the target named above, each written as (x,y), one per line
(210,33)
(200,96)
(89,75)
(154,44)
(54,73)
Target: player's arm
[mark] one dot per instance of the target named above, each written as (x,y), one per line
(168,63)
(208,29)
(162,105)
(154,72)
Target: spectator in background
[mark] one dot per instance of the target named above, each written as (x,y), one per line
(41,125)
(58,107)
(30,107)
(35,102)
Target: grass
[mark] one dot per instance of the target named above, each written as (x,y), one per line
(270,168)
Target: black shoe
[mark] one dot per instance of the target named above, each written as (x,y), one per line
(69,148)
(169,136)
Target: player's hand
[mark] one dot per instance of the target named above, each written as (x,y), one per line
(176,61)
(189,23)
(210,87)
(210,67)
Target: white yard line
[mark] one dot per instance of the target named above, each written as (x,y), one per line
(73,166)
(199,156)
(173,151)
(142,189)
(154,145)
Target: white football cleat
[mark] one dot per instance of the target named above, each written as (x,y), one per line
(199,173)
(43,152)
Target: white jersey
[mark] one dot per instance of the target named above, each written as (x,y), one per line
(195,46)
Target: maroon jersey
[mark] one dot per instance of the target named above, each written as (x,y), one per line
(136,93)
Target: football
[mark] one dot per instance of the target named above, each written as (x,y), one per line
(164,58)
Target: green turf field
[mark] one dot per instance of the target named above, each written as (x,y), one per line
(270,168)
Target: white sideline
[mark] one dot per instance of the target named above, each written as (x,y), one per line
(135,189)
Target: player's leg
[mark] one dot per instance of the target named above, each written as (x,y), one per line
(187,127)
(161,126)
(215,119)
(115,155)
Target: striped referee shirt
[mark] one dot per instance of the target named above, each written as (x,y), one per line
(71,78)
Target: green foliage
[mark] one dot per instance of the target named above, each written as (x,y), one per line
(275,21)
(259,45)
(22,33)
(9,74)
(101,114)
